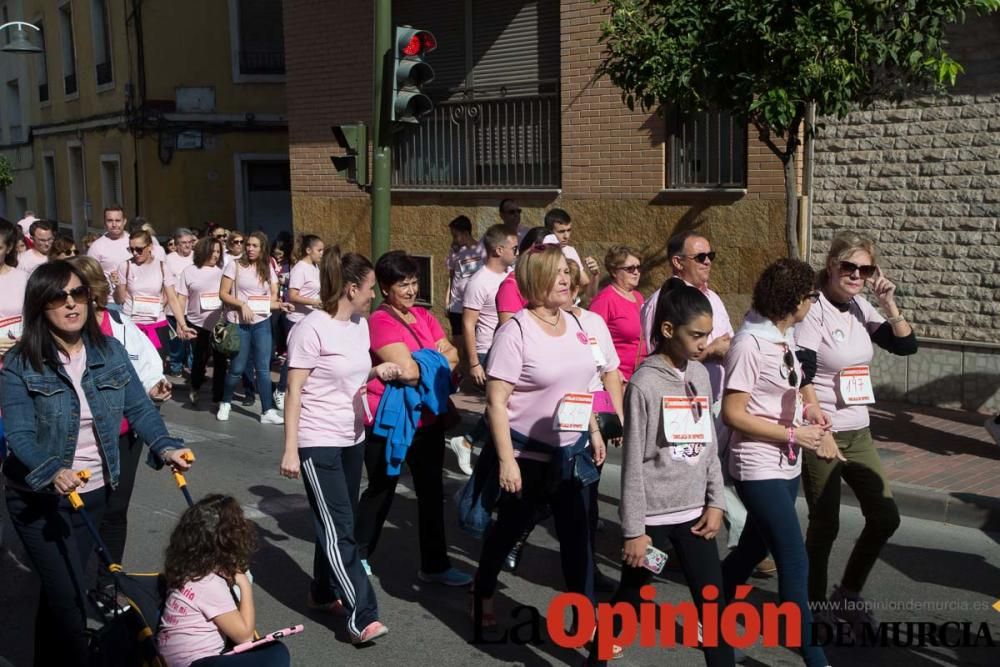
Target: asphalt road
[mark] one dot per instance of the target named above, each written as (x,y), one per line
(930,572)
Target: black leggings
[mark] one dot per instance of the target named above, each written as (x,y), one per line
(114,524)
(220,364)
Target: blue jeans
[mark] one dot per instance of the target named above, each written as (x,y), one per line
(772,525)
(283,375)
(255,347)
(179,351)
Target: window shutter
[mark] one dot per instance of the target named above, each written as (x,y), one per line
(446,21)
(515,47)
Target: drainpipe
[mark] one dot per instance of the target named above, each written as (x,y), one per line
(805,242)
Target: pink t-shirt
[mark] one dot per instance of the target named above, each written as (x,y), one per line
(187,632)
(721,326)
(29,260)
(840,340)
(481,295)
(177,262)
(110,253)
(248,285)
(622,318)
(158,251)
(385,329)
(12,285)
(462,264)
(595,327)
(304,277)
(88,452)
(201,287)
(543,369)
(755,366)
(336,351)
(509,299)
(145,280)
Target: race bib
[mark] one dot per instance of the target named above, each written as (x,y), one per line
(687,420)
(10,327)
(210,301)
(598,353)
(856,386)
(574,412)
(148,306)
(363,395)
(260,305)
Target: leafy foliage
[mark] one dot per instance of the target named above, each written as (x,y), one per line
(6,172)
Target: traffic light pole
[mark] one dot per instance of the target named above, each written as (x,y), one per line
(381,130)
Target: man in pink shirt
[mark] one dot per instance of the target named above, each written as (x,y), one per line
(42,235)
(558,222)
(111,249)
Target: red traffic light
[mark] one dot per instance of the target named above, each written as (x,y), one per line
(420,42)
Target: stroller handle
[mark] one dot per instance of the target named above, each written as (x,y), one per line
(74,497)
(181,481)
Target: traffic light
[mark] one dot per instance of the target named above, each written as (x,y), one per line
(353,165)
(411,72)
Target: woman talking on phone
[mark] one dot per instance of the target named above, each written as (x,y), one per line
(835,348)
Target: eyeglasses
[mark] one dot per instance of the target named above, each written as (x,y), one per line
(789,361)
(236,242)
(79,294)
(866,271)
(701,257)
(631,268)
(135,250)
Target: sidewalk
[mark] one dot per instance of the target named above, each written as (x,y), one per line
(942,464)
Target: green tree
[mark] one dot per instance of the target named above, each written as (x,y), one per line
(770,59)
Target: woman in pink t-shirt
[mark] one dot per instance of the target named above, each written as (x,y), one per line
(209,553)
(763,407)
(144,285)
(250,288)
(835,348)
(12,285)
(543,431)
(325,433)
(303,294)
(398,329)
(619,304)
(198,290)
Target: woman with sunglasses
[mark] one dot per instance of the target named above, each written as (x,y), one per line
(619,304)
(66,388)
(62,248)
(835,348)
(545,443)
(145,284)
(250,288)
(198,291)
(12,285)
(762,405)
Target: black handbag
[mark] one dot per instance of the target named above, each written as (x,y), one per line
(610,426)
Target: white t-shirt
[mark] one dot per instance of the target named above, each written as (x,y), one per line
(333,408)
(29,260)
(249,289)
(145,281)
(481,295)
(110,254)
(304,277)
(187,632)
(840,340)
(12,286)
(201,287)
(596,328)
(462,264)
(177,262)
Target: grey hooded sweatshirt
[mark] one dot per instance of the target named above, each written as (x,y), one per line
(654,482)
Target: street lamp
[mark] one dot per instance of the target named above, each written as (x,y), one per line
(20,42)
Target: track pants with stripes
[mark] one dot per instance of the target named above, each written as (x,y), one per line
(332,476)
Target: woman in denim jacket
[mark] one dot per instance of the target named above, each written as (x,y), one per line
(66,388)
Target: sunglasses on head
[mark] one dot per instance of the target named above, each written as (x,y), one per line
(789,361)
(135,250)
(79,294)
(542,247)
(701,257)
(866,271)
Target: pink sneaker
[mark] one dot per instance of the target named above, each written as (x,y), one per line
(371,633)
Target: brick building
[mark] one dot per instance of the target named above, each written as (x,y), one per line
(923,179)
(519,114)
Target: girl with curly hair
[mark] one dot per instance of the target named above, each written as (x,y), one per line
(208,554)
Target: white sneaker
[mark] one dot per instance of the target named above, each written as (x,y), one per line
(272,416)
(993,428)
(279,399)
(193,396)
(223,414)
(463,452)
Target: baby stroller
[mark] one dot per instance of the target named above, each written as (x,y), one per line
(130,616)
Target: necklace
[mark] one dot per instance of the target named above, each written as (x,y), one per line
(551,324)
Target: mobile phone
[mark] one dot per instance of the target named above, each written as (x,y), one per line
(655,559)
(266,639)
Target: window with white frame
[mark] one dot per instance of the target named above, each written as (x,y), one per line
(42,66)
(707,150)
(260,37)
(49,176)
(101,29)
(68,48)
(13,102)
(111,180)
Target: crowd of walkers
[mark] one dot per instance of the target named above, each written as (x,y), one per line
(716,424)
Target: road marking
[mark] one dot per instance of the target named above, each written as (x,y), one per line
(190,434)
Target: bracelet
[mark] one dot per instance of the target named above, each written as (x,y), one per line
(895,320)
(474,365)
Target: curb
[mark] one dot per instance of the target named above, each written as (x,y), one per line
(958,508)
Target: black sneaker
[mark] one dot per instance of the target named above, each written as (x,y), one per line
(514,557)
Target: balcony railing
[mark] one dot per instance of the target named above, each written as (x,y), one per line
(104,73)
(69,83)
(262,62)
(503,143)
